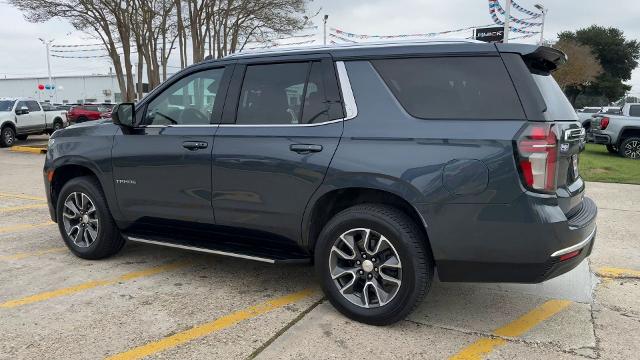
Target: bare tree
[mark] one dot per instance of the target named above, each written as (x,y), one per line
(106,20)
(581,68)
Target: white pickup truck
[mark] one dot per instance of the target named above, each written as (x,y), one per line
(21,117)
(620,133)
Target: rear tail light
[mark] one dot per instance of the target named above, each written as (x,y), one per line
(604,122)
(537,157)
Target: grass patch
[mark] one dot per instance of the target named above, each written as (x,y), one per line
(597,164)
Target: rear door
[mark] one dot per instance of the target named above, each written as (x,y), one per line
(37,115)
(282,124)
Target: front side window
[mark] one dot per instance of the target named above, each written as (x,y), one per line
(291,93)
(452,87)
(189,101)
(33,105)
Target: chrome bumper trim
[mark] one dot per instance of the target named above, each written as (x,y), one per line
(577,246)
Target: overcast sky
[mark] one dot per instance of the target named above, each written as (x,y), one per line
(22,54)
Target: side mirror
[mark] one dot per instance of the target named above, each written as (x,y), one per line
(124,114)
(22,111)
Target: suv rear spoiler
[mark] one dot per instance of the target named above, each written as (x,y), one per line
(542,58)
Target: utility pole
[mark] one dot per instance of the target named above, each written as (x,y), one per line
(544,16)
(46,44)
(507,21)
(325,29)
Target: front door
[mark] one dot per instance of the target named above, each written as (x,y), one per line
(31,122)
(162,169)
(272,157)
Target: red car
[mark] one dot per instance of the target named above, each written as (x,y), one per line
(82,113)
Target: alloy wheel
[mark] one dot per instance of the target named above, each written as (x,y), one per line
(8,136)
(80,219)
(632,149)
(365,267)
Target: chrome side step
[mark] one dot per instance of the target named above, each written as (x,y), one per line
(199,249)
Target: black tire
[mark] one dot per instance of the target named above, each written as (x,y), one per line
(108,241)
(22,137)
(57,125)
(612,149)
(82,119)
(7,137)
(630,148)
(406,239)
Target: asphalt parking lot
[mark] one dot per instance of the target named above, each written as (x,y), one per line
(165,303)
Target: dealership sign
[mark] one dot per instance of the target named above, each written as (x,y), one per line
(490,34)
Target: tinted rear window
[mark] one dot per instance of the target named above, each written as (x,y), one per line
(452,87)
(634,110)
(558,107)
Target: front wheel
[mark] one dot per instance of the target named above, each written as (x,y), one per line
(373,263)
(612,149)
(630,148)
(7,137)
(84,220)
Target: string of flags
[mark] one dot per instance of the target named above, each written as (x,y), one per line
(533,14)
(496,4)
(431,34)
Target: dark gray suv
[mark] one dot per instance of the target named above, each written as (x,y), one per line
(377,163)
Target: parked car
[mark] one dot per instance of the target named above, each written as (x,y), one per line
(21,117)
(82,113)
(375,162)
(585,114)
(619,133)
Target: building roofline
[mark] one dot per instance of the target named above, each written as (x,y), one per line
(45,77)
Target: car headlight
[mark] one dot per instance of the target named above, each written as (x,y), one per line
(51,142)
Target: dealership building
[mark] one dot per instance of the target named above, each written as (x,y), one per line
(76,89)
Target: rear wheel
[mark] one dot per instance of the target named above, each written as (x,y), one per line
(612,149)
(373,263)
(7,136)
(630,148)
(57,125)
(82,119)
(84,220)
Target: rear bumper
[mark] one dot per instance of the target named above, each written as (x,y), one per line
(598,138)
(525,242)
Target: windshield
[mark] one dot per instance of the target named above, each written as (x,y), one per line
(6,105)
(558,107)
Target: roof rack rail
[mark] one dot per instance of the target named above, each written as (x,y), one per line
(285,49)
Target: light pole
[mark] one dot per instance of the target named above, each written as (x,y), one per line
(507,20)
(544,16)
(325,29)
(46,44)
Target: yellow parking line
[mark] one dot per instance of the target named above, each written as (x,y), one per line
(91,284)
(20,227)
(29,149)
(20,256)
(480,348)
(210,327)
(20,196)
(609,272)
(25,207)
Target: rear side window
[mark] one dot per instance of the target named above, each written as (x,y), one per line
(290,93)
(452,87)
(634,110)
(558,106)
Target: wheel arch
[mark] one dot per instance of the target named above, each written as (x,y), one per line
(8,123)
(627,132)
(70,167)
(328,203)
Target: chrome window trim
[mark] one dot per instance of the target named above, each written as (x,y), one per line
(575,247)
(347,97)
(349,101)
